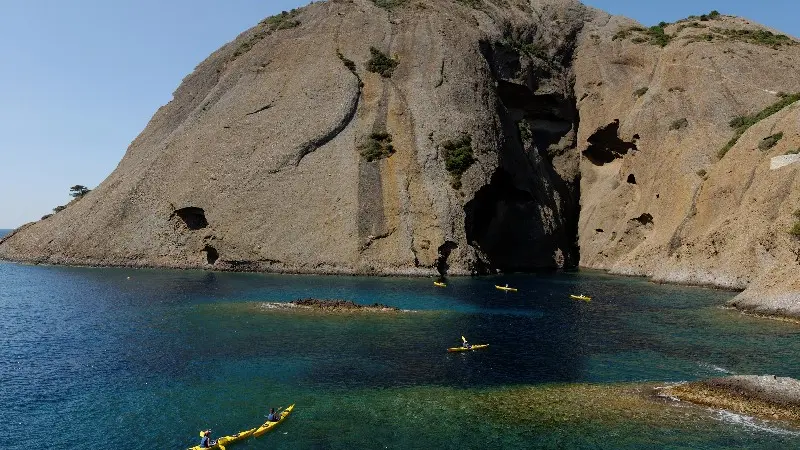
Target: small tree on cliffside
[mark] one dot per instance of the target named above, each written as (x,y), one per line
(78,191)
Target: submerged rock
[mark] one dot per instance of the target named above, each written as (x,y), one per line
(766,397)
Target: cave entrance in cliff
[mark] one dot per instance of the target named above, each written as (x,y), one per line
(212,255)
(504,223)
(194,218)
(445,249)
(605,146)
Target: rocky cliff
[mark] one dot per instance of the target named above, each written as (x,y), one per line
(462,137)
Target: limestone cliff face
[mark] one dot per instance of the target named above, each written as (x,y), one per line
(256,164)
(659,198)
(594,141)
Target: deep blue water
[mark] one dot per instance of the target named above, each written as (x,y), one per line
(105,358)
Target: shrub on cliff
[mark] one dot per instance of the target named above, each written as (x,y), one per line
(458,157)
(770,141)
(381,63)
(351,66)
(743,123)
(795,230)
(58,209)
(282,21)
(377,146)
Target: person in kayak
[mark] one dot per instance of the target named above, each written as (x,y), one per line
(205,441)
(464,343)
(273,416)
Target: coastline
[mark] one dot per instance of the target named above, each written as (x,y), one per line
(767,396)
(760,309)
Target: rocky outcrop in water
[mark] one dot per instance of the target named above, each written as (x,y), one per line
(440,136)
(767,396)
(340,304)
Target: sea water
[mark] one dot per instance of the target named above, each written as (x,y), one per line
(144,359)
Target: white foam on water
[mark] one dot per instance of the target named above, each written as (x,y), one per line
(752,423)
(715,368)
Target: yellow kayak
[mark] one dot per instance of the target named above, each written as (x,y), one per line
(506,288)
(466,349)
(242,435)
(581,297)
(436,283)
(268,426)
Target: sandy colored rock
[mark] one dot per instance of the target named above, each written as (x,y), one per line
(671,209)
(255,163)
(767,396)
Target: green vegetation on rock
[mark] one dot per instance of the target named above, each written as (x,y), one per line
(742,123)
(529,49)
(458,157)
(282,21)
(640,92)
(381,63)
(794,152)
(60,208)
(756,37)
(78,191)
(377,146)
(351,66)
(795,230)
(770,141)
(654,35)
(388,4)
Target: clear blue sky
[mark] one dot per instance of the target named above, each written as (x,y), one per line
(80,79)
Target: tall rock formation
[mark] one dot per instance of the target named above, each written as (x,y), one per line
(463,136)
(677,182)
(256,163)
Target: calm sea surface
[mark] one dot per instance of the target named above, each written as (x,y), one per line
(143,359)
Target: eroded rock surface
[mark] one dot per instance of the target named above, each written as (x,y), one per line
(767,396)
(256,163)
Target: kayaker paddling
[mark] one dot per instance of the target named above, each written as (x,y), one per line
(205,440)
(273,416)
(464,342)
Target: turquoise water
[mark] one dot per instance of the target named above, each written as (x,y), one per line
(106,358)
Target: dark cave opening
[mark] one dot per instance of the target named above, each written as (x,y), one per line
(194,218)
(212,255)
(444,253)
(605,145)
(644,219)
(504,223)
(631,179)
(526,217)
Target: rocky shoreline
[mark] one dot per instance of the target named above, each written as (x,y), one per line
(767,397)
(785,308)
